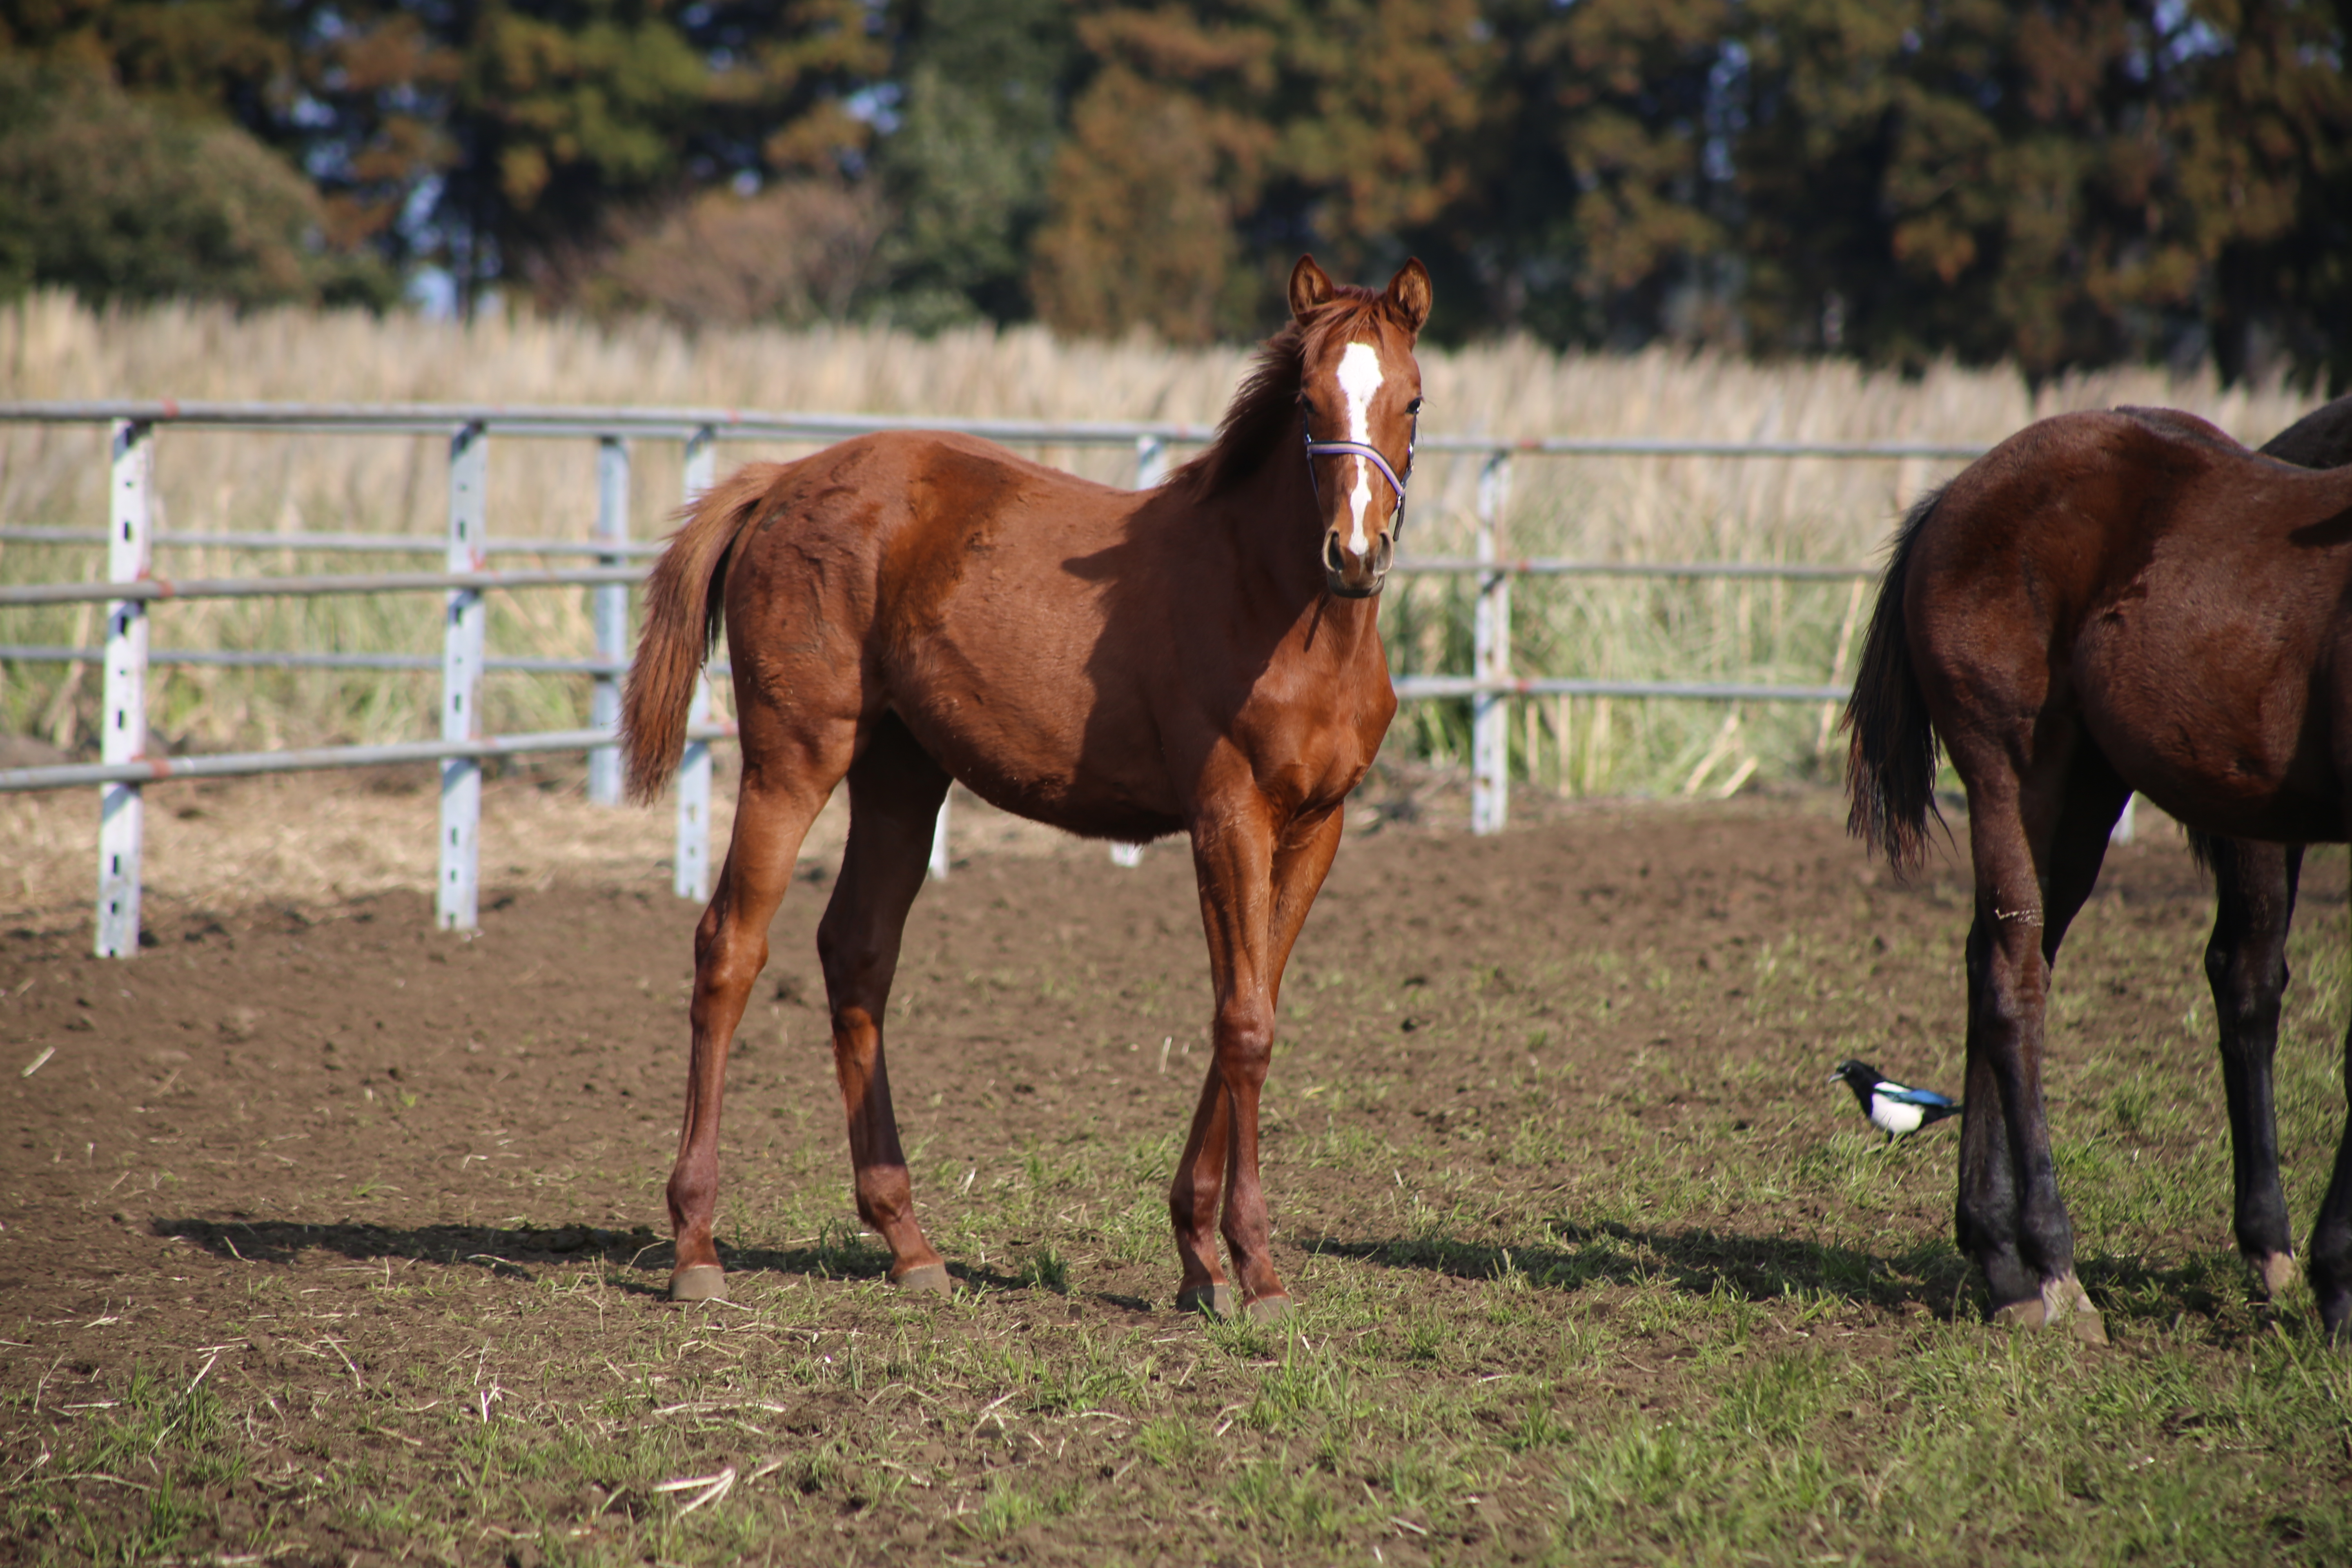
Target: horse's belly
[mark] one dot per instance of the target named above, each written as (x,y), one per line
(2201,720)
(1086,767)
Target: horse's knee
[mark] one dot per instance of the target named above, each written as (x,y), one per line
(1245,1036)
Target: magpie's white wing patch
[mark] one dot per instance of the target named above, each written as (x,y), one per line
(1895,1116)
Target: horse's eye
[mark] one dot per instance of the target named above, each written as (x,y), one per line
(1413,407)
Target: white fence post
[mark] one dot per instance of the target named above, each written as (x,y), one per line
(940,839)
(612,616)
(1151,462)
(122,811)
(692,859)
(1490,712)
(456,898)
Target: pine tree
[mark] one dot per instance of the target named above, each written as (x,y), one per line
(984,90)
(1211,144)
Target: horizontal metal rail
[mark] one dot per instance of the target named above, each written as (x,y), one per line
(575,420)
(249,658)
(358,543)
(409,544)
(1410,688)
(249,765)
(160,588)
(743,425)
(152,589)
(1542,567)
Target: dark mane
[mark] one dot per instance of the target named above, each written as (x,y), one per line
(1264,414)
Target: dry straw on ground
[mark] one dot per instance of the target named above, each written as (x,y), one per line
(312,842)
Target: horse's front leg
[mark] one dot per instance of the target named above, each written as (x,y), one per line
(1232,859)
(1255,891)
(2245,961)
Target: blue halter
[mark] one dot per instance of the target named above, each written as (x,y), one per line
(1358,449)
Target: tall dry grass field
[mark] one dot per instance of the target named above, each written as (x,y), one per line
(1612,509)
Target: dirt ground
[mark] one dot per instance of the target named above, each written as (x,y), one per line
(392,1192)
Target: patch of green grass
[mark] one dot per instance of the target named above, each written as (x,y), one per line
(1007,1507)
(1291,1506)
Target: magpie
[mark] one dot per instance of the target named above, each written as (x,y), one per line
(1893,1108)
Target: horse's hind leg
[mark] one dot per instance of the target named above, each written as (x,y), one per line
(895,789)
(2036,841)
(773,809)
(2246,964)
(2328,1259)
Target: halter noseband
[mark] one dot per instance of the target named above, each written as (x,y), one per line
(1357,449)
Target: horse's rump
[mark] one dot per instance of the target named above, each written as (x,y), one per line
(2176,593)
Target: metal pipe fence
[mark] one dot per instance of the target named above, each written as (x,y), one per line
(133,586)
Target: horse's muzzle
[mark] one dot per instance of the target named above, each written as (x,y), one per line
(1353,576)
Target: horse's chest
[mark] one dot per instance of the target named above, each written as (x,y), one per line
(1308,757)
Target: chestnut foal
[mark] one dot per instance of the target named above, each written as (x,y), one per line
(908,609)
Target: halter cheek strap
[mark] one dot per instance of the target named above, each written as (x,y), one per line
(1358,449)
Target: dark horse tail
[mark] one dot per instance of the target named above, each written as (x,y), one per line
(683,599)
(1890,776)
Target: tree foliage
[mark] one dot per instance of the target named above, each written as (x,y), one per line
(983,94)
(1215,142)
(2059,182)
(493,137)
(124,200)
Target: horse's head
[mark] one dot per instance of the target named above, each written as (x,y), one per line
(1358,397)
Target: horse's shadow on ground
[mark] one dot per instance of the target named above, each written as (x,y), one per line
(1932,1276)
(515,1252)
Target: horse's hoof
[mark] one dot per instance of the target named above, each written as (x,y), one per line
(925,1277)
(2067,1300)
(2025,1314)
(701,1282)
(1268,1308)
(2276,1272)
(2062,1301)
(1214,1301)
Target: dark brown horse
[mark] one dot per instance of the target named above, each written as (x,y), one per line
(2103,603)
(2245,959)
(1205,657)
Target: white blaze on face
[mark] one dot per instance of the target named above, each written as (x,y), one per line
(1360,380)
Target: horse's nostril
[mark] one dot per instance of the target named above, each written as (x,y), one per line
(1383,553)
(1331,557)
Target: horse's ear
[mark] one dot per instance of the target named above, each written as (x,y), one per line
(1408,295)
(1309,286)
